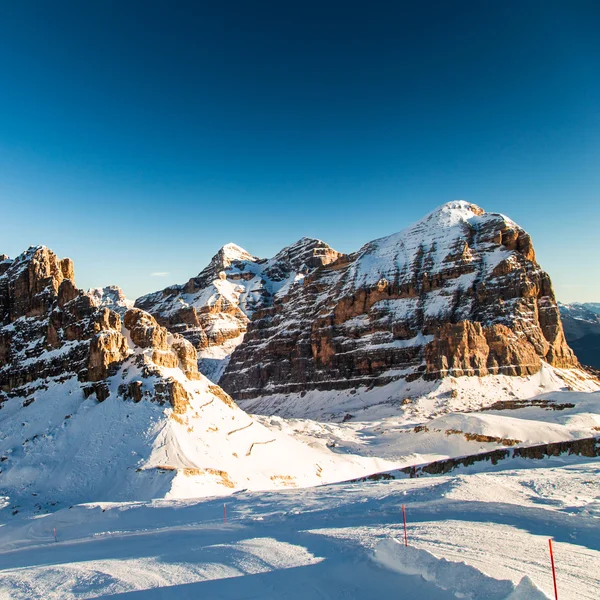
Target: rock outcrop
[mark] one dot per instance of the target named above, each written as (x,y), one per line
(168,350)
(108,349)
(466,349)
(458,293)
(50,330)
(588,447)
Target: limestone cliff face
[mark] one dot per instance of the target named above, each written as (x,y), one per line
(467,348)
(458,293)
(49,328)
(50,332)
(213,309)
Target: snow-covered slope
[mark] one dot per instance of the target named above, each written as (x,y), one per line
(440,239)
(476,536)
(419,399)
(429,428)
(213,309)
(64,448)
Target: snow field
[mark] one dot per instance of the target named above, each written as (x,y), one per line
(463,580)
(324,542)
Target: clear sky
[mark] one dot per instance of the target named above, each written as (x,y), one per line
(139,137)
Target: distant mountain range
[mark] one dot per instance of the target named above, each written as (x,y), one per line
(581,322)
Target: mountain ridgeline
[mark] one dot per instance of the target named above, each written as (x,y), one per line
(102,400)
(457,294)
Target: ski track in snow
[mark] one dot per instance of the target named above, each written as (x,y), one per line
(323,542)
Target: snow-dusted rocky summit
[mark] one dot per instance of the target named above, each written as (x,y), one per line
(213,310)
(112,297)
(458,293)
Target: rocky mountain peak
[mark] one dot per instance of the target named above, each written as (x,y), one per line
(224,258)
(457,293)
(452,212)
(229,255)
(234,252)
(455,236)
(213,309)
(305,254)
(29,281)
(111,297)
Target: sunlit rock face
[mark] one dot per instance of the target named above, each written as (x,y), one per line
(51,331)
(458,293)
(213,309)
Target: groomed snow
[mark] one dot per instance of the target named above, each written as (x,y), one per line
(479,536)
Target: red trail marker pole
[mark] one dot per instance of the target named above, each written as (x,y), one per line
(224,513)
(404,517)
(54,534)
(553,570)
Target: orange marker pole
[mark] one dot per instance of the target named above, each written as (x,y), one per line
(553,570)
(404,517)
(55,534)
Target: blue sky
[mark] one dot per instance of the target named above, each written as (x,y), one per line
(139,137)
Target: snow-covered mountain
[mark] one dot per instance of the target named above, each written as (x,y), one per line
(98,407)
(593,306)
(213,310)
(581,322)
(453,314)
(457,294)
(112,297)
